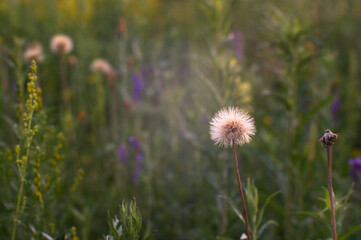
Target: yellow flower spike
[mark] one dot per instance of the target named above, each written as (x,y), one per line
(57,156)
(36,128)
(28,134)
(17,150)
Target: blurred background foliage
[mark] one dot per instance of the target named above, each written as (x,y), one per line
(143,131)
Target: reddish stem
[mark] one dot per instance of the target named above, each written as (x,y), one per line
(240,190)
(330,191)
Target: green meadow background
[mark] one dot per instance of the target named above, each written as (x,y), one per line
(143,133)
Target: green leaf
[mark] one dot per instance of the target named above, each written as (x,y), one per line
(350,232)
(252,198)
(317,216)
(113,226)
(265,226)
(223,238)
(233,206)
(260,216)
(326,199)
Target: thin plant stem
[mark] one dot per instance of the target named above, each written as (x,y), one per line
(64,84)
(240,190)
(330,191)
(223,192)
(22,171)
(114,112)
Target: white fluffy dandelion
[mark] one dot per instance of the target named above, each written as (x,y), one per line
(34,51)
(101,65)
(61,43)
(232,124)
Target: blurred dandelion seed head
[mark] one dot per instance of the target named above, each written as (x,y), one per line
(243,236)
(232,124)
(34,51)
(102,66)
(61,43)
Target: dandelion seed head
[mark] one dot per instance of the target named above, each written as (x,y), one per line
(232,124)
(101,65)
(61,43)
(34,51)
(243,236)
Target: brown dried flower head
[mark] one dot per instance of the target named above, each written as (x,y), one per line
(232,124)
(61,43)
(328,138)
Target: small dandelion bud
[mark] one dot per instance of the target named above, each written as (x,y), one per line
(328,138)
(36,128)
(232,124)
(73,60)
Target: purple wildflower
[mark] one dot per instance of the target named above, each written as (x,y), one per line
(138,86)
(138,166)
(139,158)
(135,143)
(236,39)
(335,106)
(356,168)
(14,87)
(122,153)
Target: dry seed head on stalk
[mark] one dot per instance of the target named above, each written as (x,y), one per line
(61,43)
(328,138)
(232,124)
(34,51)
(101,65)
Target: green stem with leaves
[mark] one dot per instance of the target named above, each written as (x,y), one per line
(31,106)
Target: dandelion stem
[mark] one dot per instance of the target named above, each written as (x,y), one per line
(64,84)
(240,190)
(330,191)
